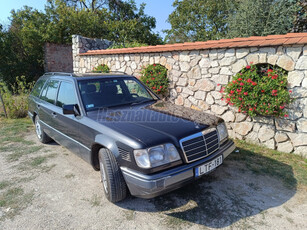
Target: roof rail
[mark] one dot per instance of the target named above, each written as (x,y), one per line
(60,73)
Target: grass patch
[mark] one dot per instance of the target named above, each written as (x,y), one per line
(13,200)
(12,130)
(95,201)
(289,168)
(18,152)
(4,184)
(68,176)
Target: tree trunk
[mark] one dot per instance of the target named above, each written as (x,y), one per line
(5,114)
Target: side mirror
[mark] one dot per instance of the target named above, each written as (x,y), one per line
(71,109)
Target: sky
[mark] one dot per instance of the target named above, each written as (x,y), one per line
(160,9)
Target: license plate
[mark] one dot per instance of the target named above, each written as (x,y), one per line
(205,168)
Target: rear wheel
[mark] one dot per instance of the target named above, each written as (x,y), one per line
(112,179)
(41,135)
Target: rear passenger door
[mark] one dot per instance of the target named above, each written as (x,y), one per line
(46,107)
(67,125)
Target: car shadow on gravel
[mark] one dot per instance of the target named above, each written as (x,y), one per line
(245,185)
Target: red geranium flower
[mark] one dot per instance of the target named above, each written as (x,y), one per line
(154,87)
(239,79)
(245,93)
(286,115)
(270,70)
(248,67)
(242,83)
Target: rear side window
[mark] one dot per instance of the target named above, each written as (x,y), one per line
(66,95)
(50,91)
(38,87)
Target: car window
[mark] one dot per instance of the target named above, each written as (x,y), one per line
(50,91)
(66,95)
(136,89)
(38,87)
(103,93)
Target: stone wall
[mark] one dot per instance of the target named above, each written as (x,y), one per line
(82,44)
(58,58)
(196,78)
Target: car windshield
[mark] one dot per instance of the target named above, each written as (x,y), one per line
(110,92)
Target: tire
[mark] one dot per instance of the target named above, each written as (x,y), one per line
(112,179)
(41,135)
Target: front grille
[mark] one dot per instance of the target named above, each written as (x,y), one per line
(124,154)
(200,145)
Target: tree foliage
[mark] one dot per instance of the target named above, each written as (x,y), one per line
(22,44)
(198,20)
(201,20)
(262,17)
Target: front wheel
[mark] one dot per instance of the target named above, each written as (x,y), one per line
(41,135)
(112,179)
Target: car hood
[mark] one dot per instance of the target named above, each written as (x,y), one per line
(155,123)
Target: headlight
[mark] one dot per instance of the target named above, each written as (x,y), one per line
(156,156)
(222,130)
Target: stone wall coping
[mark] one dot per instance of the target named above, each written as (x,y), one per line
(254,41)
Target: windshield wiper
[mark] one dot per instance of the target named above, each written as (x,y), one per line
(140,102)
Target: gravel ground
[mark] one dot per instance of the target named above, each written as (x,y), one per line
(58,190)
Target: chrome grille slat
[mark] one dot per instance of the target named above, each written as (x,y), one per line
(203,147)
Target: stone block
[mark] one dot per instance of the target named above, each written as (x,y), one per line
(301,63)
(281,137)
(302,125)
(194,73)
(240,117)
(230,53)
(216,95)
(286,62)
(204,63)
(215,70)
(295,78)
(205,85)
(228,116)
(218,110)
(269,144)
(203,105)
(252,137)
(240,53)
(301,150)
(237,66)
(184,66)
(184,56)
(265,120)
(226,71)
(186,90)
(182,81)
(201,95)
(298,139)
(210,99)
(220,79)
(272,59)
(252,58)
(242,128)
(268,50)
(266,132)
(285,125)
(294,52)
(285,147)
(192,100)
(226,61)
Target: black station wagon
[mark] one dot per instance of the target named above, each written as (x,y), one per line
(139,143)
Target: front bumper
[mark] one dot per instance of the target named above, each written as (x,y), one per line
(149,186)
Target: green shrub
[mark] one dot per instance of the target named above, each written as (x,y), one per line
(16,100)
(259,90)
(126,45)
(155,77)
(102,68)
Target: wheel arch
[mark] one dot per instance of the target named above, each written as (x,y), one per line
(102,141)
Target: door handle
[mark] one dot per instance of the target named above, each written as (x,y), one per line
(53,114)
